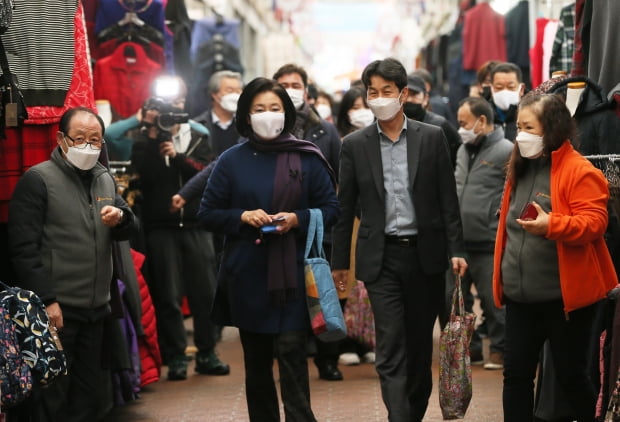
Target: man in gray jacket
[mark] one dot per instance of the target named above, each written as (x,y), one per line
(63,216)
(479,174)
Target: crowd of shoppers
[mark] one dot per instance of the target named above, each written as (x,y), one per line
(504,201)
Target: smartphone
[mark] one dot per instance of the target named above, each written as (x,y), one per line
(529,213)
(269,228)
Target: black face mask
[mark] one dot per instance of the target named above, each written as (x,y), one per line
(486,93)
(414,111)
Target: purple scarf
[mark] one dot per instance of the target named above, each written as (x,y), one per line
(287,189)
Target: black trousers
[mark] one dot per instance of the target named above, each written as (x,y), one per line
(405,302)
(181,262)
(290,350)
(74,397)
(527,328)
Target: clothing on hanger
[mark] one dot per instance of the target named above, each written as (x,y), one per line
(484,36)
(564,43)
(205,29)
(111,12)
(125,81)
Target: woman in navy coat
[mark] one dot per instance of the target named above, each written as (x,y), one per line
(273,179)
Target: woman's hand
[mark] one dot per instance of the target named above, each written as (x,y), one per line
(258,218)
(540,225)
(286,221)
(255,218)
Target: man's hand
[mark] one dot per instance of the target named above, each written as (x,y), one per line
(540,225)
(166,149)
(341,277)
(150,117)
(54,313)
(459,265)
(177,203)
(111,216)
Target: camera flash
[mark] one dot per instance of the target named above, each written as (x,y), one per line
(167,87)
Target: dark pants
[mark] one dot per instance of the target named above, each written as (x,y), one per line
(527,328)
(260,389)
(405,302)
(181,262)
(73,397)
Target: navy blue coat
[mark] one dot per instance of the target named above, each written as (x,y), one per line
(243,180)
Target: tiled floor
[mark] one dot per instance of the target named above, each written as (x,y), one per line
(357,398)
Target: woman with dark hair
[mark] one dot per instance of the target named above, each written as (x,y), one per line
(259,196)
(551,267)
(353,113)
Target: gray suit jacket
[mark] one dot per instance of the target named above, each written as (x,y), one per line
(433,189)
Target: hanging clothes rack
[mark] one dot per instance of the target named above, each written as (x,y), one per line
(611,157)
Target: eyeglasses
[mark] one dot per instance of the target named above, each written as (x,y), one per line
(81,143)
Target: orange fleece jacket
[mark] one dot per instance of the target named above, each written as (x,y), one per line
(577,222)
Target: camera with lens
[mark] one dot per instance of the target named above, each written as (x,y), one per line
(168,114)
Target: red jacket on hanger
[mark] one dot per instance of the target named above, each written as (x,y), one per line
(484,36)
(124,78)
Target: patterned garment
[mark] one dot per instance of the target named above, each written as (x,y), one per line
(359,317)
(564,43)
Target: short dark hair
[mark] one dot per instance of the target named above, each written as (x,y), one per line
(346,104)
(65,119)
(486,70)
(556,122)
(255,87)
(507,67)
(425,75)
(389,69)
(292,68)
(479,107)
(313,91)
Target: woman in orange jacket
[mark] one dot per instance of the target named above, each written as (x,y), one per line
(552,266)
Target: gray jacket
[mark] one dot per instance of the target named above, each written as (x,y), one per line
(60,248)
(479,184)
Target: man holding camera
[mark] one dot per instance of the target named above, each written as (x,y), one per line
(179,251)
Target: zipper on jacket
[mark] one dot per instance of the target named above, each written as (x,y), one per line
(181,210)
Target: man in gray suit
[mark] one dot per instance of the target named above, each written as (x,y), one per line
(399,172)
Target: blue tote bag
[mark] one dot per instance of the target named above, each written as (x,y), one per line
(323,306)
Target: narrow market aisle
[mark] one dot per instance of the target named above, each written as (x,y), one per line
(358,398)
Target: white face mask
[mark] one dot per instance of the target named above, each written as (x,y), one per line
(384,108)
(361,117)
(324,110)
(268,124)
(530,145)
(297,96)
(505,98)
(229,102)
(84,159)
(468,136)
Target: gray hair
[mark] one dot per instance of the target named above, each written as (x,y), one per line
(216,78)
